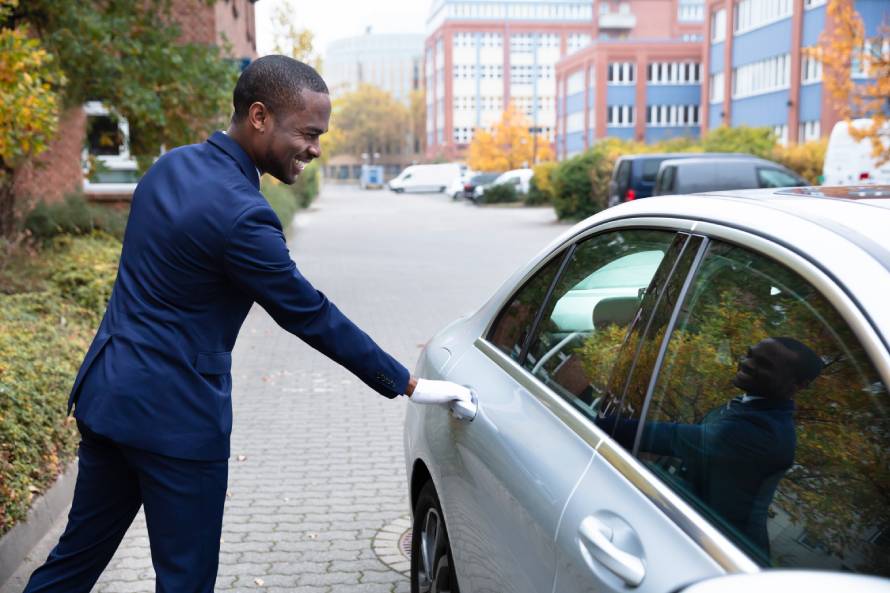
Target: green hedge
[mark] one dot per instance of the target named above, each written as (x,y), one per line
(502,193)
(74,216)
(287,199)
(44,334)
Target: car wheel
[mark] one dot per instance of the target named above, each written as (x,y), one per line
(399,190)
(432,566)
(442,189)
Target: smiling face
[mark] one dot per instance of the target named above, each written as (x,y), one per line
(291,137)
(768,370)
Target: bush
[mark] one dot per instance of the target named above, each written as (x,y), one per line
(500,194)
(581,184)
(540,189)
(757,141)
(74,216)
(44,335)
(282,199)
(804,159)
(307,185)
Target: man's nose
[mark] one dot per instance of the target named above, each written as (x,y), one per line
(315,150)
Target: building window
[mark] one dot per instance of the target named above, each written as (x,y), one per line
(751,14)
(765,76)
(691,11)
(715,87)
(674,73)
(463,135)
(622,73)
(521,73)
(575,83)
(620,116)
(781,132)
(810,70)
(575,122)
(576,41)
(809,131)
(718,26)
(672,116)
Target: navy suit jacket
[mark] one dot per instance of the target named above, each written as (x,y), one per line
(202,245)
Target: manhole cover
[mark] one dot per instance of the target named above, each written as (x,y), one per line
(392,544)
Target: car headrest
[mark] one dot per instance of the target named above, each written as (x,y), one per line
(615,310)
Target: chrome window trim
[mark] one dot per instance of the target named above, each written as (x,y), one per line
(712,541)
(708,538)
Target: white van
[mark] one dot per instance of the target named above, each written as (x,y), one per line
(426,178)
(848,162)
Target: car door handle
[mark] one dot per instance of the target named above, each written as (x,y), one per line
(596,537)
(466,410)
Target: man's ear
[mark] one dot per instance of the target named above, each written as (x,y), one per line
(258,117)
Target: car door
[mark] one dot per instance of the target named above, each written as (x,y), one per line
(759,441)
(514,467)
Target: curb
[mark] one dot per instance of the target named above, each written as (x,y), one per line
(21,539)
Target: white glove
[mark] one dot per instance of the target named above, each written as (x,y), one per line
(432,392)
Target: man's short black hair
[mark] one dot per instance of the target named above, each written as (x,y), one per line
(808,365)
(278,83)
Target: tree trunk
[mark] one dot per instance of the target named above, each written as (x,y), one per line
(7,203)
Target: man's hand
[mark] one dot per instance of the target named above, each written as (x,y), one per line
(432,392)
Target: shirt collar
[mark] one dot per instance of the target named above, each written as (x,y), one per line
(229,146)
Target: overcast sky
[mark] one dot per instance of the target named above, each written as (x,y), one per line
(333,19)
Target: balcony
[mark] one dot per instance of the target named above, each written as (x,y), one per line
(617,20)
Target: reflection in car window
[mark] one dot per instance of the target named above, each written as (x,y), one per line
(594,301)
(776,178)
(510,330)
(769,417)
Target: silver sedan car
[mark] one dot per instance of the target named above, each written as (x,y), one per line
(676,390)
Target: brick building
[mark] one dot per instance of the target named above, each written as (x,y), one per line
(639,79)
(482,54)
(59,170)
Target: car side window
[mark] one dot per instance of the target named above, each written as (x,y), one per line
(514,322)
(595,300)
(666,180)
(769,417)
(623,178)
(775,178)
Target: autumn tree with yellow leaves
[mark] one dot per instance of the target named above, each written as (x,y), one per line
(510,145)
(29,106)
(844,48)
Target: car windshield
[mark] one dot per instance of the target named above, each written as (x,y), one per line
(484,178)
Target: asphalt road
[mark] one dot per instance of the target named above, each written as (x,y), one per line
(317,490)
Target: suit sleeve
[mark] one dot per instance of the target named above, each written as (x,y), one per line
(258,262)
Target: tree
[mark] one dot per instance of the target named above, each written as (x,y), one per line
(417,106)
(290,40)
(508,146)
(368,121)
(126,54)
(30,81)
(844,48)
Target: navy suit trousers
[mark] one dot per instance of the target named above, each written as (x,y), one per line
(183,502)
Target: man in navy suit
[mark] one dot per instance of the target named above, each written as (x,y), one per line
(153,396)
(733,460)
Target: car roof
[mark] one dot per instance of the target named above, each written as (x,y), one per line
(712,161)
(682,155)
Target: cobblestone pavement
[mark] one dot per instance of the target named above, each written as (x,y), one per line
(317,486)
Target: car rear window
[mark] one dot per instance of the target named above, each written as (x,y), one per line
(650,169)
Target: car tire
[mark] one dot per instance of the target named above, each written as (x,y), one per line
(399,190)
(455,196)
(432,565)
(442,189)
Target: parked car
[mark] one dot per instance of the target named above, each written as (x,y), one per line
(426,178)
(687,176)
(850,162)
(672,391)
(633,176)
(518,178)
(476,180)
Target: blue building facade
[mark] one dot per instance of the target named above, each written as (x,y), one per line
(759,72)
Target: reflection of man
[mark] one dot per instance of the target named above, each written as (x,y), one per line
(733,460)
(153,396)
